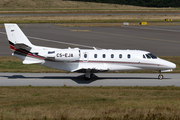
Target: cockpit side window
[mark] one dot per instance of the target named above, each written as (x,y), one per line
(144,56)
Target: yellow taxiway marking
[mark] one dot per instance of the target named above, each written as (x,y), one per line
(80,30)
(137,37)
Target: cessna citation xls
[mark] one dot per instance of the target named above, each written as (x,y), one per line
(87,61)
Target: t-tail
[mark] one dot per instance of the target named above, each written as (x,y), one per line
(20,44)
(16,37)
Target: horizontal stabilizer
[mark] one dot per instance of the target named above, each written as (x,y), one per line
(32,62)
(22,46)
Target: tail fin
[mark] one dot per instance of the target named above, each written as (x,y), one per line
(16,37)
(21,46)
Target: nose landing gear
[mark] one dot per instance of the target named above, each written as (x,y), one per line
(160,75)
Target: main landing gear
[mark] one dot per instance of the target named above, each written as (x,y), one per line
(88,75)
(86,78)
(160,75)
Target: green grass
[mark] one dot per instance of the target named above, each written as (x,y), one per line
(13,64)
(92,103)
(89,19)
(67,6)
(63,6)
(53,20)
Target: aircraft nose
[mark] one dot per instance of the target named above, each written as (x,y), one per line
(167,65)
(171,65)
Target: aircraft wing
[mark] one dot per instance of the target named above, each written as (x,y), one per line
(94,69)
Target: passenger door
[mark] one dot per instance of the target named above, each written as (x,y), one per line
(85,56)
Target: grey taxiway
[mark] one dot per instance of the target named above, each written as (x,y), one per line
(76,79)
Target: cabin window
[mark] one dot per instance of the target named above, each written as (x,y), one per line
(112,55)
(144,56)
(95,55)
(104,56)
(120,55)
(128,56)
(79,53)
(85,55)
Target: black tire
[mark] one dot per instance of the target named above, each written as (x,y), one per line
(86,78)
(91,75)
(160,77)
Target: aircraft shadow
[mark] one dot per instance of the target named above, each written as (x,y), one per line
(79,79)
(44,77)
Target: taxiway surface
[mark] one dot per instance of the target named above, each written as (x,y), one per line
(76,79)
(160,40)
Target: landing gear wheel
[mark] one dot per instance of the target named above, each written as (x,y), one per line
(160,77)
(91,75)
(86,78)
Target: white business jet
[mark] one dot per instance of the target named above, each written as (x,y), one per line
(86,61)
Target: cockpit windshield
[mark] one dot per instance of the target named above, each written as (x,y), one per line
(150,55)
(153,56)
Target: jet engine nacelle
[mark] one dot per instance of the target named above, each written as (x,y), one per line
(67,55)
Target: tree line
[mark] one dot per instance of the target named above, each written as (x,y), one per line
(145,3)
